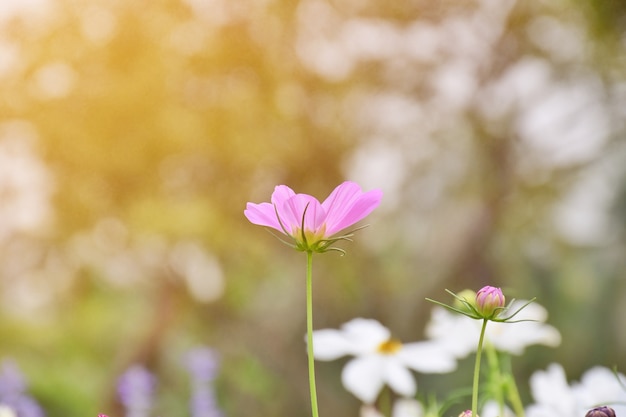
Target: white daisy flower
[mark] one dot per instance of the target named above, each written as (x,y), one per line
(554,397)
(379,359)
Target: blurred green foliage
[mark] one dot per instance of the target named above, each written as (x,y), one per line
(156,121)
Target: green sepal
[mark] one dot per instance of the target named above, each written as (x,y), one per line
(473,313)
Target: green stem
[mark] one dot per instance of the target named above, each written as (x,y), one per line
(309,331)
(514,397)
(496,383)
(384,402)
(479,351)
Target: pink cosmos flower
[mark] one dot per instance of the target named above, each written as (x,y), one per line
(308,222)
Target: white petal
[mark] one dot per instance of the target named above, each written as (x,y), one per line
(427,357)
(399,378)
(599,385)
(492,409)
(515,337)
(363,377)
(365,334)
(453,332)
(6,411)
(329,344)
(407,407)
(532,311)
(540,410)
(550,388)
(370,411)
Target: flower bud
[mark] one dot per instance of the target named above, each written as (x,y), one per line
(489,302)
(602,411)
(467,413)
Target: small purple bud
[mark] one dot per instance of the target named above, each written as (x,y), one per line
(13,391)
(202,364)
(135,390)
(602,411)
(467,413)
(489,301)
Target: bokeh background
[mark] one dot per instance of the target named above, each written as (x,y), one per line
(133,132)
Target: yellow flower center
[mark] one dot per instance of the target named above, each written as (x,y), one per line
(311,237)
(389,347)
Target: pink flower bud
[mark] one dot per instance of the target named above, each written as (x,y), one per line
(603,411)
(489,302)
(466,413)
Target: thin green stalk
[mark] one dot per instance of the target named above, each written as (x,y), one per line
(502,374)
(514,397)
(309,331)
(479,351)
(497,387)
(384,402)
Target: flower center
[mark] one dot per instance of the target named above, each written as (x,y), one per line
(389,347)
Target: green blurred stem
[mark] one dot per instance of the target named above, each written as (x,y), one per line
(495,376)
(502,375)
(384,402)
(514,397)
(479,352)
(309,330)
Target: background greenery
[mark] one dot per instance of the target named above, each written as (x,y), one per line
(132,134)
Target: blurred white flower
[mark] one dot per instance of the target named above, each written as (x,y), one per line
(6,411)
(407,407)
(379,359)
(25,183)
(370,411)
(402,407)
(459,334)
(492,409)
(200,269)
(554,397)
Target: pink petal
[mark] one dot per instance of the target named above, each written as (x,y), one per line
(293,210)
(281,194)
(347,204)
(262,214)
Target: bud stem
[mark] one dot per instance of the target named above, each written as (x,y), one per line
(479,351)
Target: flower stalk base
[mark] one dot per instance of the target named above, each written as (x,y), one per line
(309,331)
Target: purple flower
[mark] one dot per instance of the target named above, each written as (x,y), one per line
(308,222)
(13,392)
(202,364)
(135,390)
(602,411)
